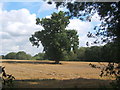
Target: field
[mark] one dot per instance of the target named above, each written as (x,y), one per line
(44,74)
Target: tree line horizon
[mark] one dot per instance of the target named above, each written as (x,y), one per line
(92,54)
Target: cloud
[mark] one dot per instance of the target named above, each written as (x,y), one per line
(5,35)
(18,20)
(46,7)
(82,29)
(80,26)
(1,6)
(48,16)
(17,27)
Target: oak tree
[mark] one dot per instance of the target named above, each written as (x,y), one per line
(55,39)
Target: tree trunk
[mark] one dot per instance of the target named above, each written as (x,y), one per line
(57,62)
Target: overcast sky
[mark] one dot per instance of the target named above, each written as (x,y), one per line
(18,23)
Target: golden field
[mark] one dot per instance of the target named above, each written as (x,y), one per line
(44,74)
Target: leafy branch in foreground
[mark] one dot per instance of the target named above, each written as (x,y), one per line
(7,78)
(110,70)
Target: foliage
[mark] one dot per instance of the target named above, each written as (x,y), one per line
(81,53)
(111,70)
(55,39)
(39,56)
(93,53)
(109,29)
(104,53)
(7,78)
(11,55)
(2,57)
(108,11)
(21,55)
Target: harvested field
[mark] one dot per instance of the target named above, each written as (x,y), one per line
(43,74)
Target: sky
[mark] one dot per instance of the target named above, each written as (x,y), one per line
(18,24)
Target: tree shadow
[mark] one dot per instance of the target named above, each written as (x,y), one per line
(54,83)
(30,62)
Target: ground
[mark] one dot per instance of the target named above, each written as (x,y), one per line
(44,74)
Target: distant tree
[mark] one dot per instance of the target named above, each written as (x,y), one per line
(81,53)
(28,57)
(109,52)
(21,55)
(72,56)
(93,53)
(39,56)
(11,55)
(2,56)
(55,39)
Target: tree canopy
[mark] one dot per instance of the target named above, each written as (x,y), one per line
(109,13)
(55,39)
(39,56)
(21,55)
(11,55)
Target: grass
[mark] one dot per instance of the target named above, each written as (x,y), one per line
(42,74)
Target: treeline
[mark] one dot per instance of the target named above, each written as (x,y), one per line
(107,53)
(21,55)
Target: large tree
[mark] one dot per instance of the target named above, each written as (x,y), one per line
(55,39)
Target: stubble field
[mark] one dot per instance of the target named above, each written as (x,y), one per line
(44,74)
